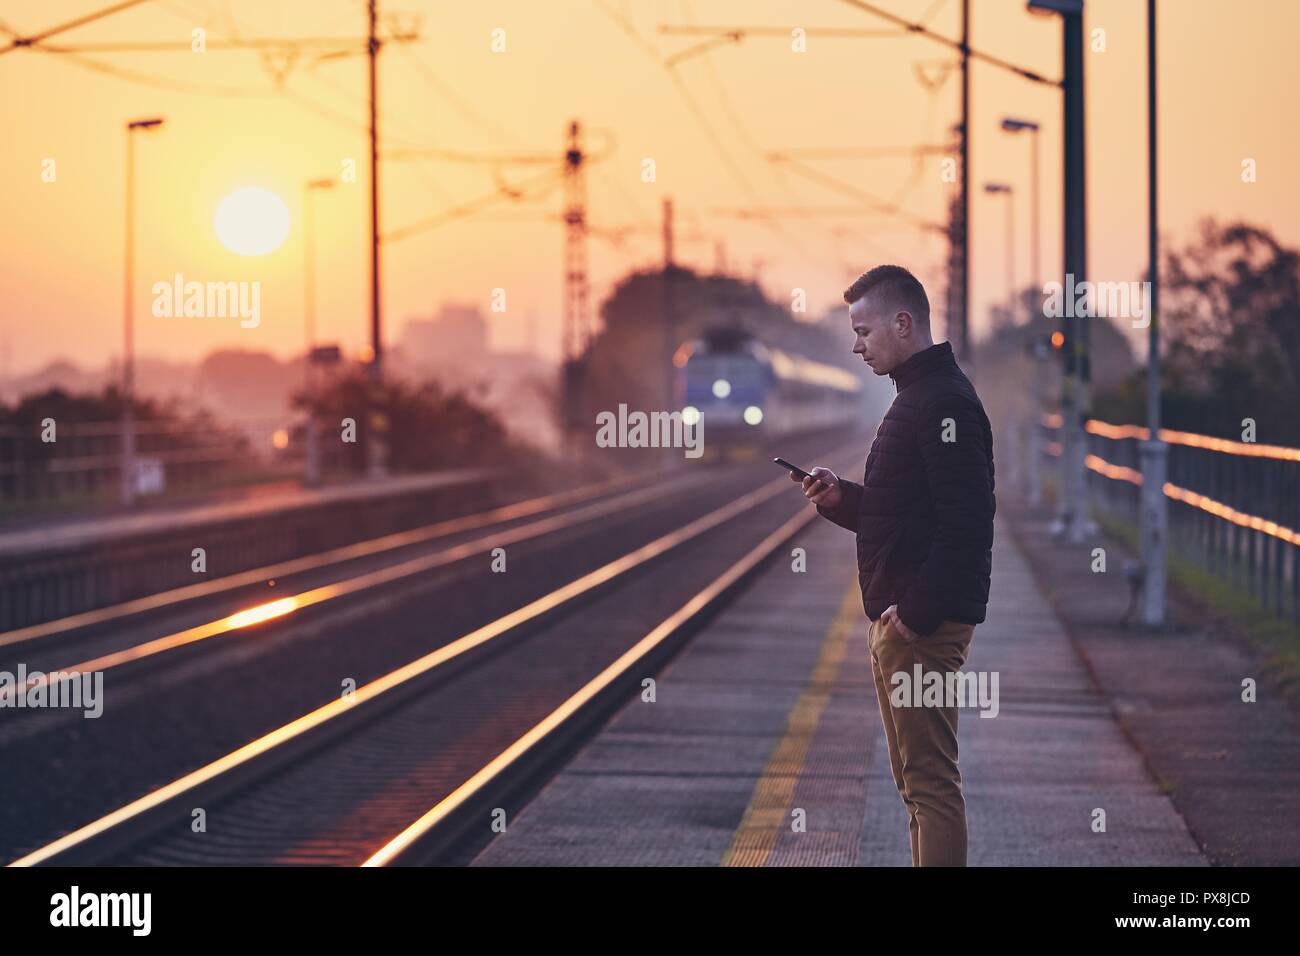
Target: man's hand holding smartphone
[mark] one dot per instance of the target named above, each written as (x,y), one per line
(821,487)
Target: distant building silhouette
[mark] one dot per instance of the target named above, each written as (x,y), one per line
(458,334)
(452,348)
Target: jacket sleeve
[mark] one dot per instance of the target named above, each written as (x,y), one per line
(846,514)
(957,472)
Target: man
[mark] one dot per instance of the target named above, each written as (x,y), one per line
(923,516)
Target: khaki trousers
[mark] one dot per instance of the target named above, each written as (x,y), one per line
(923,739)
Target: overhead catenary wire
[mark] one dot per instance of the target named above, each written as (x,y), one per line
(154,81)
(497,160)
(550,179)
(780,161)
(482,159)
(29,41)
(449,94)
(922,30)
(742,132)
(809,212)
(932,12)
(710,134)
(75,54)
(848,189)
(691,29)
(340,44)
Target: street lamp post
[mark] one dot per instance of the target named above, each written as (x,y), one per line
(1016,432)
(1074,522)
(128,317)
(1155,510)
(376,453)
(1004,189)
(1032,428)
(1012,125)
(309,320)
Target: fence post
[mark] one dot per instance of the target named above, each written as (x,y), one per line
(1035,454)
(1155,530)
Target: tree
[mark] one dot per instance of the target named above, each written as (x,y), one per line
(425,427)
(1230,314)
(626,361)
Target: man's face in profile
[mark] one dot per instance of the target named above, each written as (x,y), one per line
(877,338)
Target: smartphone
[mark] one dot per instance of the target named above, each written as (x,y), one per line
(789,467)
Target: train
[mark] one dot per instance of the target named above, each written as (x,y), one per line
(747,392)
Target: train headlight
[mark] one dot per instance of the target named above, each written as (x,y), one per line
(753,415)
(721,388)
(690,415)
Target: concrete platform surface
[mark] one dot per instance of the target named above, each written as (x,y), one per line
(764,746)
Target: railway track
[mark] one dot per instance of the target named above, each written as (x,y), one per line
(98,641)
(407,768)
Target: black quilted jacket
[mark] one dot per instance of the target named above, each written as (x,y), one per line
(924,511)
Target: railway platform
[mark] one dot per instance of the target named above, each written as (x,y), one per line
(763,746)
(73,565)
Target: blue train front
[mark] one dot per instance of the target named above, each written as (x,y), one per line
(747,393)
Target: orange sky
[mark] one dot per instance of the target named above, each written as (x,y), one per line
(1230,83)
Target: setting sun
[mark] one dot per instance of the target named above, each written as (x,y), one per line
(252,221)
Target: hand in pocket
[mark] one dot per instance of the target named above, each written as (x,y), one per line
(891,618)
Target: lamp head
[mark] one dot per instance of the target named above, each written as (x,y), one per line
(1013,125)
(1066,8)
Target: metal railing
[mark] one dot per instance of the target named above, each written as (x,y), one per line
(84,461)
(1234,506)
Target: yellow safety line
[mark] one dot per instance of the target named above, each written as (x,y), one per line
(768,813)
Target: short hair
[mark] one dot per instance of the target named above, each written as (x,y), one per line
(901,291)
